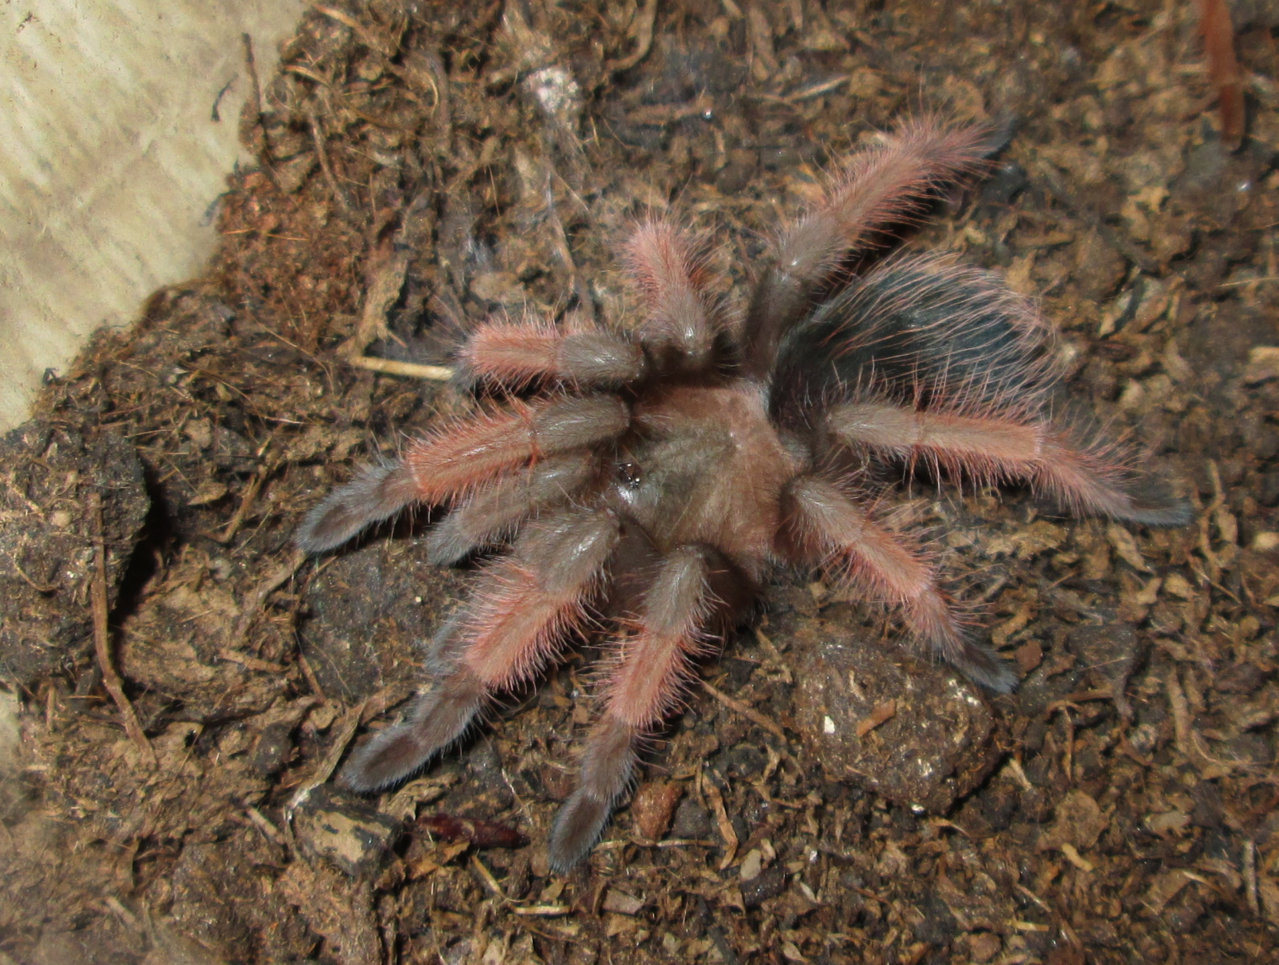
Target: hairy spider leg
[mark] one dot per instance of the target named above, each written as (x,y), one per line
(645,684)
(987,448)
(516,355)
(930,362)
(916,331)
(927,324)
(1092,478)
(682,320)
(494,511)
(437,718)
(881,186)
(523,608)
(829,528)
(680,328)
(377,493)
(995,448)
(456,459)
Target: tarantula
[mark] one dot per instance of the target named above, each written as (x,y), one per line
(656,478)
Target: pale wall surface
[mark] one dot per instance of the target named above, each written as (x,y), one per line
(110,159)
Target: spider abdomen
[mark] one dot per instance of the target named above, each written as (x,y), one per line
(920,332)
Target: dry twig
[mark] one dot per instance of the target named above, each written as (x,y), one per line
(102,636)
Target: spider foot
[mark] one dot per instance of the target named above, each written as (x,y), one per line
(437,719)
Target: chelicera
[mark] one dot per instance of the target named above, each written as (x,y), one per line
(652,480)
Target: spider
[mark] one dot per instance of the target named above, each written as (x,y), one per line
(655,479)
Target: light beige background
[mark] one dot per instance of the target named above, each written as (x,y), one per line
(110,159)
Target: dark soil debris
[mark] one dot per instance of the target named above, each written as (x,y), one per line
(423,165)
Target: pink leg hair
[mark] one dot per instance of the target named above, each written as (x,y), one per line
(534,597)
(438,718)
(377,493)
(1091,479)
(881,186)
(644,685)
(449,462)
(991,449)
(682,318)
(826,526)
(518,355)
(967,308)
(523,607)
(986,448)
(494,511)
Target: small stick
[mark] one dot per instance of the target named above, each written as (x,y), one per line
(1223,69)
(711,794)
(1250,876)
(102,639)
(747,711)
(246,503)
(413,370)
(319,139)
(254,603)
(252,128)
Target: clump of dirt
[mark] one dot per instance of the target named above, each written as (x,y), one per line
(188,683)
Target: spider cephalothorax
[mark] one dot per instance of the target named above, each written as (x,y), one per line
(654,478)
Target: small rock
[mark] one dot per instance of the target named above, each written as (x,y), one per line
(654,807)
(915,733)
(984,946)
(619,902)
(691,820)
(272,748)
(767,884)
(1079,822)
(352,835)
